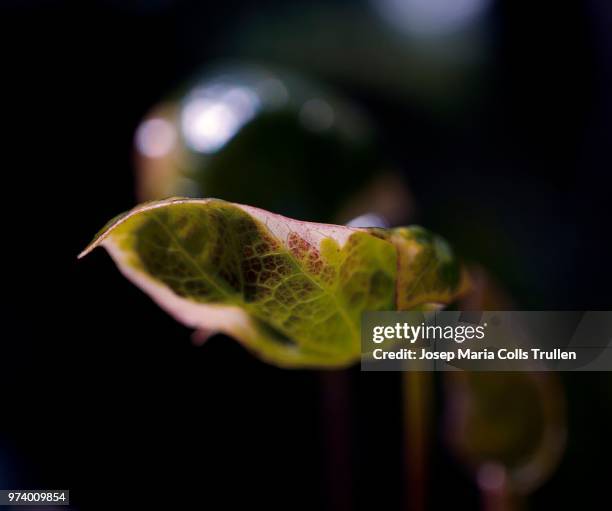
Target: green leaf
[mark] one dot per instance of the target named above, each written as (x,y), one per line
(293,292)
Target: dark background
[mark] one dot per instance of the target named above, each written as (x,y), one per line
(105,395)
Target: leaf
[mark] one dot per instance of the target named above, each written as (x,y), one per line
(291,291)
(515,420)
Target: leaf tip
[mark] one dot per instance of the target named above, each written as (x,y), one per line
(94,243)
(85,251)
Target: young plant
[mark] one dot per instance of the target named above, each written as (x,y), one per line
(290,291)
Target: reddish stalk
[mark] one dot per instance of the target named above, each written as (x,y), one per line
(335,386)
(416,390)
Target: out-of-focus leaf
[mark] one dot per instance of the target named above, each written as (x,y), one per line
(291,291)
(281,136)
(514,420)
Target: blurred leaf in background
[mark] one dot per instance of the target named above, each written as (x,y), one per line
(271,139)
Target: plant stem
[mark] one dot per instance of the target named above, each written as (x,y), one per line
(335,390)
(417,395)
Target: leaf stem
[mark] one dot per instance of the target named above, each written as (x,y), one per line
(335,401)
(417,395)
